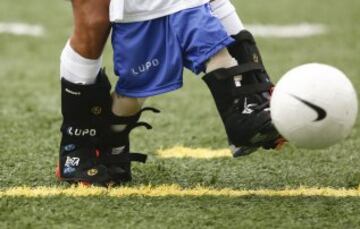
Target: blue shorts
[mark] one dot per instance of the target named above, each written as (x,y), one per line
(149,56)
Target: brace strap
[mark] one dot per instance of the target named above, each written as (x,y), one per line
(229,73)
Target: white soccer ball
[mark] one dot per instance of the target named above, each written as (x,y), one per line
(314,106)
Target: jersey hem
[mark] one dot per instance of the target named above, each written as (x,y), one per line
(138,17)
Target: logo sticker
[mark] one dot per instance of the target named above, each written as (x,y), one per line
(237,80)
(92,172)
(70,164)
(72,161)
(118,150)
(96,110)
(248,108)
(70,147)
(321,113)
(255,58)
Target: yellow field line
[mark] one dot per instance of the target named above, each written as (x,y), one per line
(173,191)
(183,152)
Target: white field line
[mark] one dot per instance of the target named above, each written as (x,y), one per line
(259,30)
(173,191)
(22,29)
(287,31)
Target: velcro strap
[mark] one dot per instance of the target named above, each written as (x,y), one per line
(225,73)
(152,109)
(138,157)
(124,157)
(138,124)
(114,159)
(250,89)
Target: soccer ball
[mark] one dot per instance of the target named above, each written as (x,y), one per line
(314,106)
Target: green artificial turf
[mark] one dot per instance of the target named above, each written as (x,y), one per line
(30,119)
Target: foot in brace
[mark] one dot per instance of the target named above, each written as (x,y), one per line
(119,159)
(242,97)
(86,151)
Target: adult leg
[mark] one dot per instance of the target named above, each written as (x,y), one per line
(91,27)
(81,57)
(85,94)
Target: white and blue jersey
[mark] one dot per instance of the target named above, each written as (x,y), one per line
(122,11)
(149,56)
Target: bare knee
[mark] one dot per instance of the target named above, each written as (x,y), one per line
(125,106)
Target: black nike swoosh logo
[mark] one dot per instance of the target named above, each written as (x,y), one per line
(320,111)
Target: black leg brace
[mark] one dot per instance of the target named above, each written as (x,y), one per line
(91,151)
(85,110)
(241,94)
(119,158)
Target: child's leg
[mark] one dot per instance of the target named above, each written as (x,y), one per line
(125,114)
(226,12)
(125,106)
(240,89)
(148,64)
(241,94)
(222,59)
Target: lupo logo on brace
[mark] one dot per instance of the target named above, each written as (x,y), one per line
(81,132)
(145,67)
